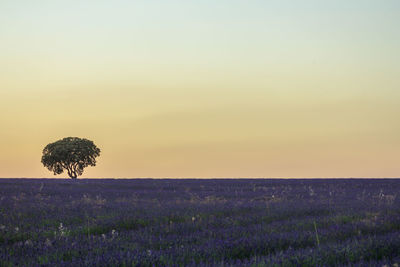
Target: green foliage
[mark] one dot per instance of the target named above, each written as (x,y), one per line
(72,154)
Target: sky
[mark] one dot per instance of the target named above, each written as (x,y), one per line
(204,89)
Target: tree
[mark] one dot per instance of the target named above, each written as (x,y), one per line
(72,154)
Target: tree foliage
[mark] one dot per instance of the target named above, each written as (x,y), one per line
(72,154)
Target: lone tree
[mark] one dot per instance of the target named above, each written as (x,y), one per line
(72,154)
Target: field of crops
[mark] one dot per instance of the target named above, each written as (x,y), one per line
(146,222)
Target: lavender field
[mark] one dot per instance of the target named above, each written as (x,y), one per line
(245,222)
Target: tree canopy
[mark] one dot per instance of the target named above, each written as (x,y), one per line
(72,154)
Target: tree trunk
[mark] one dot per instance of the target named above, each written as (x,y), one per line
(72,175)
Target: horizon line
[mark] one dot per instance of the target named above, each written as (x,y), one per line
(196,178)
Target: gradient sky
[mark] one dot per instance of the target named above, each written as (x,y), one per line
(210,88)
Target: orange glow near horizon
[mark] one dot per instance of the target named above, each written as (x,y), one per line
(241,90)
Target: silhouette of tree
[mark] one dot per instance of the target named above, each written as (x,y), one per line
(72,154)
